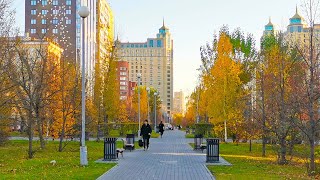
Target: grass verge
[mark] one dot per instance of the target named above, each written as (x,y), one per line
(250,165)
(14,163)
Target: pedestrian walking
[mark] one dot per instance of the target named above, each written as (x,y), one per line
(145,132)
(161,128)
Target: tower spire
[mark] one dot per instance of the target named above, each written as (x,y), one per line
(296,9)
(163,21)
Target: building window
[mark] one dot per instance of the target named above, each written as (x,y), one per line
(68,11)
(33,12)
(33,2)
(33,31)
(44,2)
(44,12)
(33,21)
(43,31)
(43,21)
(123,83)
(123,78)
(151,43)
(55,31)
(55,21)
(123,68)
(123,73)
(55,2)
(68,2)
(68,21)
(123,87)
(159,43)
(55,11)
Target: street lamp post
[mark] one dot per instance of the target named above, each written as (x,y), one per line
(155,111)
(148,115)
(139,78)
(83,12)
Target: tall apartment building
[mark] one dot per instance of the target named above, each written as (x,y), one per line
(179,105)
(152,59)
(59,20)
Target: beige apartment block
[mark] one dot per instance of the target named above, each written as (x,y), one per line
(152,59)
(179,105)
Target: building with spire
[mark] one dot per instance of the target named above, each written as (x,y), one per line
(153,59)
(297,32)
(269,28)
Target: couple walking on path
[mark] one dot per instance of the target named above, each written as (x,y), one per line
(146,131)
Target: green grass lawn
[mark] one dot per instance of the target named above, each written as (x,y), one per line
(14,163)
(155,135)
(250,165)
(189,135)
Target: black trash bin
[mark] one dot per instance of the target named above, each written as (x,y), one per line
(110,149)
(198,141)
(130,142)
(212,150)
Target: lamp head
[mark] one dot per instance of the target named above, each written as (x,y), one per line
(139,75)
(148,89)
(84,11)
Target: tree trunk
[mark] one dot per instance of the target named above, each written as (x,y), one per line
(264,132)
(40,129)
(312,166)
(283,152)
(30,135)
(98,125)
(62,134)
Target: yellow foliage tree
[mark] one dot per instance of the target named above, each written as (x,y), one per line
(143,103)
(224,84)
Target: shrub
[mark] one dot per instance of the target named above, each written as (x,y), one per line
(4,135)
(203,129)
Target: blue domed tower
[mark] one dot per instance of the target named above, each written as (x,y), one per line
(269,28)
(296,23)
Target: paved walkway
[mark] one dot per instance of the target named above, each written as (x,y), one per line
(168,158)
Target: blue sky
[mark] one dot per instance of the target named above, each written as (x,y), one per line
(192,24)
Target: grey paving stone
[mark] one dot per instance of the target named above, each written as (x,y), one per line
(168,158)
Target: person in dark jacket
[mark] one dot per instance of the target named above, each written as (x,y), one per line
(161,128)
(145,132)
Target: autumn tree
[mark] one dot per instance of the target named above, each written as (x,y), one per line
(30,68)
(7,29)
(110,91)
(308,101)
(223,83)
(226,75)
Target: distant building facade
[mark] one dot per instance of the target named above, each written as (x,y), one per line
(179,102)
(59,21)
(152,59)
